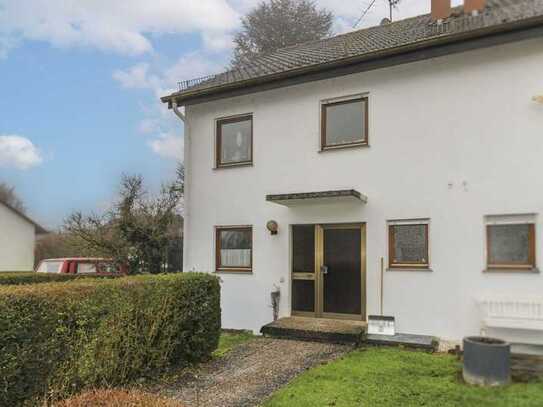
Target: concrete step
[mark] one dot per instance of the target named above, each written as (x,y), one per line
(424,342)
(316,330)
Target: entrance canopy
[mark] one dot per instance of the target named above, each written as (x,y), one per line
(296,199)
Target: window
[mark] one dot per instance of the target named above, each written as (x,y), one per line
(234,141)
(50,267)
(234,247)
(86,268)
(408,245)
(344,123)
(510,246)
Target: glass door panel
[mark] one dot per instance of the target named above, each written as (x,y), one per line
(341,271)
(303,268)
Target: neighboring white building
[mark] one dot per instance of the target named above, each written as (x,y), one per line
(418,144)
(17,240)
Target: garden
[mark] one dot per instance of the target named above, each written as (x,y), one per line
(157,341)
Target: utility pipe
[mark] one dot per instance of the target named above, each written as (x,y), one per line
(186,164)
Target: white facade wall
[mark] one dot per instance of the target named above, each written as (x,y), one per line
(451,139)
(17,238)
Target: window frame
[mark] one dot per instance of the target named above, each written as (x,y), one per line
(218,140)
(392,265)
(218,266)
(530,265)
(329,103)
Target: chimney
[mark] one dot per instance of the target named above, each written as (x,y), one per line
(441,9)
(474,6)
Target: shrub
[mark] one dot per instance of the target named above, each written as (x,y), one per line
(117,398)
(56,339)
(21,278)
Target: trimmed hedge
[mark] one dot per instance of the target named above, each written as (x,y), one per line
(21,278)
(56,339)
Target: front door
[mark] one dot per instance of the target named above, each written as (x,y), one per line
(328,271)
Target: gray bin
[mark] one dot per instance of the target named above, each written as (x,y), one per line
(487,361)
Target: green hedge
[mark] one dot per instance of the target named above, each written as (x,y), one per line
(56,339)
(20,278)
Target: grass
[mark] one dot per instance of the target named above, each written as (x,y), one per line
(229,340)
(395,377)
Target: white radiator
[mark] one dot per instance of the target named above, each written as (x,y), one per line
(513,314)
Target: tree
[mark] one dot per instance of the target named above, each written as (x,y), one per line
(139,228)
(277,24)
(56,245)
(10,197)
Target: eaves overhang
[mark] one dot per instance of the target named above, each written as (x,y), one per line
(415,51)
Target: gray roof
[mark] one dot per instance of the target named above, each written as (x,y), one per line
(374,42)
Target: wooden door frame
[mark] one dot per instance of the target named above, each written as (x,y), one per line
(317,276)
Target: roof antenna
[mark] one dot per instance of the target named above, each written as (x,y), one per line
(391,5)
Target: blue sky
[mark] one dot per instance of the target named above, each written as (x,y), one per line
(80,82)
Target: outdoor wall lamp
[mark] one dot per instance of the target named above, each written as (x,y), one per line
(273,227)
(538,99)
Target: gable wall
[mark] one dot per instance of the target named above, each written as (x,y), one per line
(17,238)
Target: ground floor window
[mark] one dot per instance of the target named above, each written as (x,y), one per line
(510,242)
(408,244)
(234,248)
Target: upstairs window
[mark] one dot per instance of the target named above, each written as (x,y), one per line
(234,141)
(510,246)
(234,249)
(344,124)
(408,245)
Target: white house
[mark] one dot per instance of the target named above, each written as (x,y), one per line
(415,147)
(17,239)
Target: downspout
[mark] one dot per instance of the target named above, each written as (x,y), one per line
(178,112)
(186,164)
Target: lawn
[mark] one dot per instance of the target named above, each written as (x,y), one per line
(229,340)
(395,377)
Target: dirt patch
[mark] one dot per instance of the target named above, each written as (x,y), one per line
(250,372)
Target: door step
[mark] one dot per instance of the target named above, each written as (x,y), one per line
(342,331)
(424,342)
(317,330)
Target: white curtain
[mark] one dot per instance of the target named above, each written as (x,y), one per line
(236,258)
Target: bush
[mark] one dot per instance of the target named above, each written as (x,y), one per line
(21,278)
(56,339)
(117,398)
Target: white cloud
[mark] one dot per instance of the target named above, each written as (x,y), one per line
(163,80)
(18,152)
(159,124)
(129,27)
(120,26)
(135,77)
(149,126)
(168,145)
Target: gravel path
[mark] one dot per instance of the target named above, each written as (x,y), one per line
(250,372)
